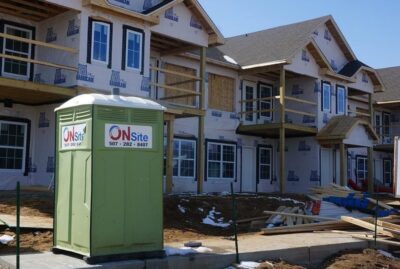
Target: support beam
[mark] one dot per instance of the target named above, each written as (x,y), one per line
(371,109)
(370,170)
(343,164)
(282,144)
(201,138)
(169,155)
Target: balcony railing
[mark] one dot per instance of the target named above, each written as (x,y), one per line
(177,86)
(307,111)
(37,61)
(387,133)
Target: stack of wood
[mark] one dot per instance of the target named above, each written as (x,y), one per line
(317,193)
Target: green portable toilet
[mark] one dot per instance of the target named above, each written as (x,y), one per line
(108,180)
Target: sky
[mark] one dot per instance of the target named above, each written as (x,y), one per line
(371,27)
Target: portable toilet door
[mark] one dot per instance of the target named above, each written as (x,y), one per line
(109,178)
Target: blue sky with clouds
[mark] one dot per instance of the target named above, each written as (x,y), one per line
(371,27)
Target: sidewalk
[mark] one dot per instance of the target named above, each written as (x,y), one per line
(309,249)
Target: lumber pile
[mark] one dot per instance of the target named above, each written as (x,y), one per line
(390,226)
(318,193)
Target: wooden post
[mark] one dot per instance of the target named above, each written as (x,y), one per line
(371,109)
(170,155)
(370,170)
(200,140)
(371,150)
(282,144)
(343,165)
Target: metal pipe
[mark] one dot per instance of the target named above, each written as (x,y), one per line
(18,225)
(234,223)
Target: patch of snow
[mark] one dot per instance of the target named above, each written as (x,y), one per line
(185,200)
(212,220)
(203,250)
(200,209)
(286,200)
(182,209)
(387,254)
(225,193)
(230,59)
(245,265)
(5,239)
(170,251)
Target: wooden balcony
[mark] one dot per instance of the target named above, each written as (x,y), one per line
(272,129)
(386,134)
(35,92)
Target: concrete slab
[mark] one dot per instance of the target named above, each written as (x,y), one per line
(49,260)
(308,249)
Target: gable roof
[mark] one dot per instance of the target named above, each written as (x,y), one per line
(261,47)
(152,17)
(391,79)
(215,36)
(339,127)
(353,67)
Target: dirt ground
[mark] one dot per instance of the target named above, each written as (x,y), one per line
(183,215)
(365,259)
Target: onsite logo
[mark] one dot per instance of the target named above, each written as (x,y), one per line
(73,136)
(128,136)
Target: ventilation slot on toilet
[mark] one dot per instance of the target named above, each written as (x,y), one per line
(112,114)
(147,116)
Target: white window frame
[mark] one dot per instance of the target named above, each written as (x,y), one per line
(326,109)
(378,124)
(338,90)
(251,106)
(260,165)
(139,69)
(180,158)
(221,161)
(365,170)
(29,54)
(387,172)
(269,102)
(14,147)
(107,61)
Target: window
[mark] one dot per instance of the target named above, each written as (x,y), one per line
(349,164)
(249,104)
(265,104)
(133,49)
(221,93)
(387,172)
(184,158)
(378,123)
(386,128)
(326,96)
(362,168)
(340,100)
(101,38)
(12,145)
(265,163)
(221,160)
(15,68)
